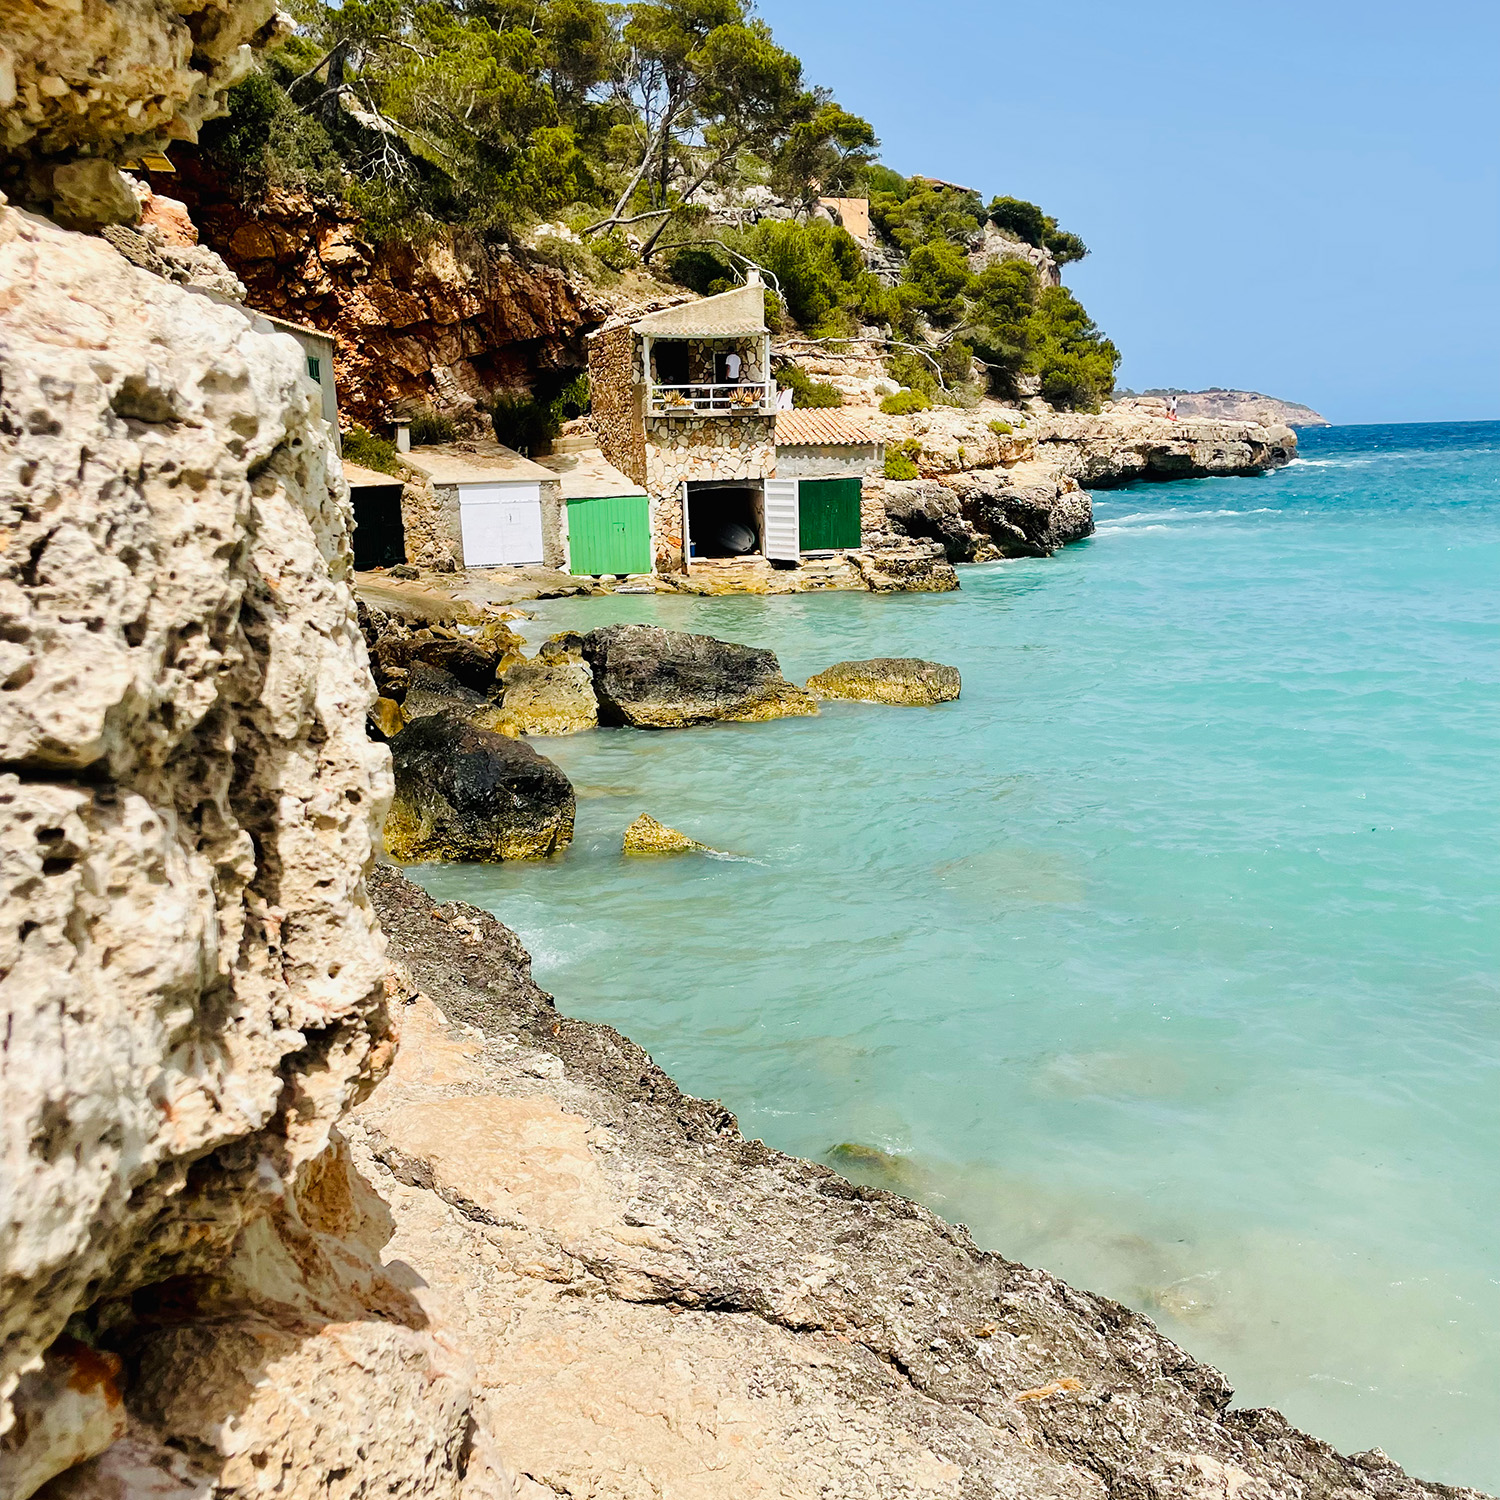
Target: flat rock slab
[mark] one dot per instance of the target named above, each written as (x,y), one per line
(654,1304)
(888,679)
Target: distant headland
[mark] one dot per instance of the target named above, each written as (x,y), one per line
(1237,406)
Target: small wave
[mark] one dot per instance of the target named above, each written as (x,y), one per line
(1185,515)
(1330,463)
(1129,530)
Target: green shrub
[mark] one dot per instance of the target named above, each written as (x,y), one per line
(904,403)
(526,423)
(1021,220)
(934,279)
(1075,361)
(901,460)
(1000,316)
(429,427)
(614,250)
(1064,246)
(907,367)
(1001,429)
(265,138)
(821,272)
(576,399)
(361,446)
(807,392)
(704,269)
(926,215)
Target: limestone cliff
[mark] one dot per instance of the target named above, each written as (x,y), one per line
(86,85)
(444,323)
(189,969)
(1216,404)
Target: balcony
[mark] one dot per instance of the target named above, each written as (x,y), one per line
(746,399)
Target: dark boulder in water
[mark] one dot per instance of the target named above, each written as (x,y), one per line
(465,793)
(650,678)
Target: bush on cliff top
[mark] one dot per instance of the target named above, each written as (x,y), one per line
(905,403)
(361,446)
(807,393)
(1075,361)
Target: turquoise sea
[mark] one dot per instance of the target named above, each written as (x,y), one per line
(1167,958)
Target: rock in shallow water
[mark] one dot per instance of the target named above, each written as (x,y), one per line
(551,692)
(465,793)
(650,678)
(647,836)
(888,679)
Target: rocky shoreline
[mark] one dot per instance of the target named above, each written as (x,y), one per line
(570,1214)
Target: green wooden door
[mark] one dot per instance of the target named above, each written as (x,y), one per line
(830,514)
(610,535)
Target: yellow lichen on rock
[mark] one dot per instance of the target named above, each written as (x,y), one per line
(647,836)
(888,679)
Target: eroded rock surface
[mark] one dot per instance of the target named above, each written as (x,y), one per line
(656,1305)
(888,679)
(650,678)
(466,793)
(446,321)
(1121,445)
(190,974)
(85,84)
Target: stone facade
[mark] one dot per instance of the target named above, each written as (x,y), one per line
(430,520)
(618,391)
(682,450)
(664,453)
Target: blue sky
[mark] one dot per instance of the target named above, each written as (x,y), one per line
(1301,199)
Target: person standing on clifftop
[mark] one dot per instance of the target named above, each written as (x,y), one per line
(1172,407)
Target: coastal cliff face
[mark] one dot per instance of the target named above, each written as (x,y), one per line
(443,323)
(1123,444)
(191,970)
(1247,406)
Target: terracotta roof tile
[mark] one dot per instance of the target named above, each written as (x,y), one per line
(820,428)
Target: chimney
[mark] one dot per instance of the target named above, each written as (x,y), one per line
(752,276)
(403,437)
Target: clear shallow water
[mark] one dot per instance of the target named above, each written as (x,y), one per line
(1167,958)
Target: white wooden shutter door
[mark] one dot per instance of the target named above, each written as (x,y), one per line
(783,520)
(523,531)
(502,523)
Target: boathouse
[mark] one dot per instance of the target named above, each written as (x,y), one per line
(824,454)
(605,516)
(487,505)
(685,406)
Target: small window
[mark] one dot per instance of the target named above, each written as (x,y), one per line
(315,368)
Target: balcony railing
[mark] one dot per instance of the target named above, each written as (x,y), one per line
(749,398)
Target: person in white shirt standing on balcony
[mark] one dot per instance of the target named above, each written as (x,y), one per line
(732,363)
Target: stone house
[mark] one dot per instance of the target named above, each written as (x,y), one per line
(825,454)
(684,405)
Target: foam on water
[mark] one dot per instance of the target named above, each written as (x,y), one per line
(1166,958)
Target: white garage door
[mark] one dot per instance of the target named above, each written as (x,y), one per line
(502,523)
